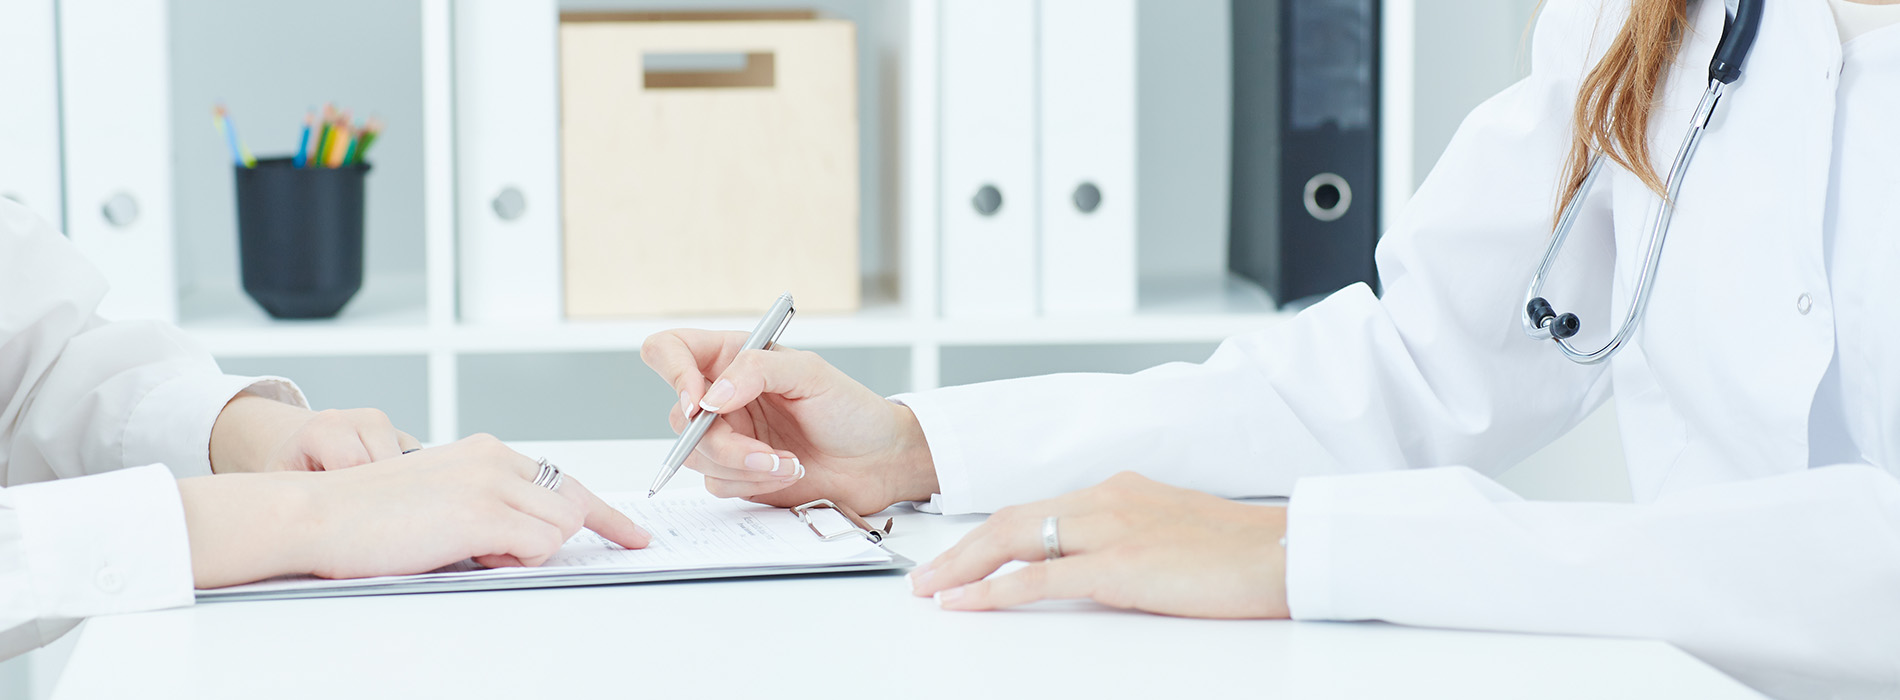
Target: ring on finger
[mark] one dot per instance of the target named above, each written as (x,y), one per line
(550,476)
(1051,540)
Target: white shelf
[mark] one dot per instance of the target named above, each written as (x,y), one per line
(390,322)
(386,318)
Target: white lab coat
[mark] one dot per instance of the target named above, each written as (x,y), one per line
(82,396)
(1745,547)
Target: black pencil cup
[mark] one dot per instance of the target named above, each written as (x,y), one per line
(300,236)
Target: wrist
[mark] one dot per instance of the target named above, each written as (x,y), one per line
(916,469)
(248,527)
(248,429)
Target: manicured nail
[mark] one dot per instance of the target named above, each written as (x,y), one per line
(946,598)
(919,577)
(762,461)
(798,470)
(718,395)
(686,407)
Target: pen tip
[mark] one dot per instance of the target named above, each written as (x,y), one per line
(650,493)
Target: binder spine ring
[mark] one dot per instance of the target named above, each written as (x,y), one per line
(1319,184)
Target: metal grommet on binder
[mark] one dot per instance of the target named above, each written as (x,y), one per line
(120,210)
(1327,196)
(988,199)
(510,204)
(1087,197)
(860,527)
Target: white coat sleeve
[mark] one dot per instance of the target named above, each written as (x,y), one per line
(97,545)
(1789,583)
(83,395)
(1436,372)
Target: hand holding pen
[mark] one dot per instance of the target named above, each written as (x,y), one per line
(828,435)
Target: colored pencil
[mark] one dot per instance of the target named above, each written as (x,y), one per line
(323,137)
(339,143)
(303,140)
(239,154)
(370,131)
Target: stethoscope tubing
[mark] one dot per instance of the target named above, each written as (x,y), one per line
(1658,235)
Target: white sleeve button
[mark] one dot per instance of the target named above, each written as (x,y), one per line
(109,579)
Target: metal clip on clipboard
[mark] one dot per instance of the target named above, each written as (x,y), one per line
(860,527)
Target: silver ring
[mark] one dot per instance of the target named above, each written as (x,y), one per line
(1051,542)
(550,476)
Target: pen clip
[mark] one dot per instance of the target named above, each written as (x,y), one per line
(864,529)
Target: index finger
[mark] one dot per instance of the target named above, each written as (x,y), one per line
(605,520)
(684,357)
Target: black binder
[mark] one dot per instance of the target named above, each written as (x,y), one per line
(1304,206)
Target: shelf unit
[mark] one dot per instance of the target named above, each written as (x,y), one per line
(400,344)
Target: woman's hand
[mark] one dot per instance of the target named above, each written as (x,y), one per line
(255,434)
(792,428)
(1127,543)
(414,513)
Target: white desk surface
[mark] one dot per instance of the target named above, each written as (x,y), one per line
(819,637)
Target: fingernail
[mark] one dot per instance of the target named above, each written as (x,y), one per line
(643,531)
(762,461)
(919,577)
(718,395)
(798,470)
(686,407)
(947,597)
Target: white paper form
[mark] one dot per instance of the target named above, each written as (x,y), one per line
(692,530)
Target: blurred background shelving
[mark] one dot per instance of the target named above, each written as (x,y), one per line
(401,344)
(404,321)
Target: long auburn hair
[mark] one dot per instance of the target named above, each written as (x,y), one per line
(1613,107)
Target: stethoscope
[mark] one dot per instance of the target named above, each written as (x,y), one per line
(1540,320)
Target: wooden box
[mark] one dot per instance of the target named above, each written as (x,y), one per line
(696,190)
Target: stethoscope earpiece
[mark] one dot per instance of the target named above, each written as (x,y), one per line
(1564,326)
(1542,315)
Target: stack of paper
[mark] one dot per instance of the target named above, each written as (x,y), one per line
(694,536)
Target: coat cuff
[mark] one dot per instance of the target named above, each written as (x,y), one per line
(946,454)
(1309,547)
(171,425)
(104,544)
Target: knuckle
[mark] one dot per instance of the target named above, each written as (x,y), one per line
(1007,514)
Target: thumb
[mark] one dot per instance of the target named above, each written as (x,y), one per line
(793,374)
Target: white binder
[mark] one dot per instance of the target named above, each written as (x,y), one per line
(29,121)
(987,127)
(507,131)
(115,94)
(1088,130)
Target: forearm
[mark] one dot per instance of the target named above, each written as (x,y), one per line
(247,527)
(1778,578)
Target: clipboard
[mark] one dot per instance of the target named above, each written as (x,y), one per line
(803,520)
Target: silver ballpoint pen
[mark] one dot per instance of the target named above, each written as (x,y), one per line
(763,336)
